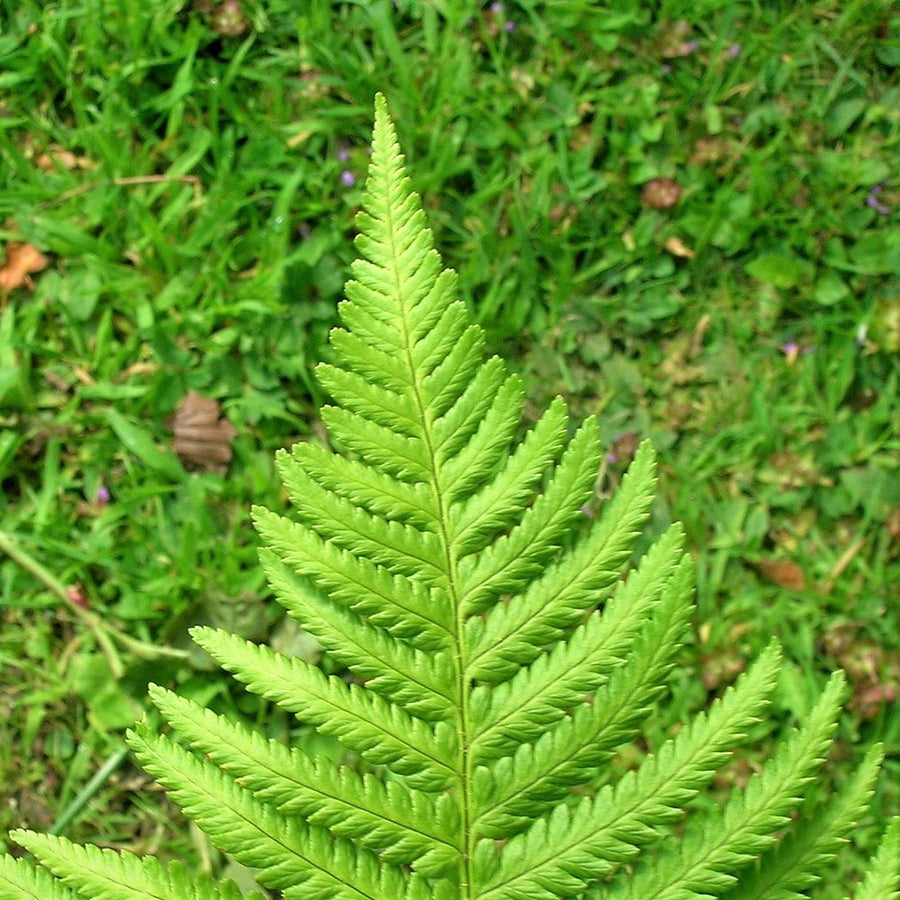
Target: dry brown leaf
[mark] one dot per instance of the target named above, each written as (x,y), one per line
(57,157)
(660,193)
(783,572)
(677,247)
(202,439)
(673,40)
(20,262)
(625,446)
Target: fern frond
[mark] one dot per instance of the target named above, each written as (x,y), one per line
(417,681)
(514,560)
(287,851)
(882,881)
(496,657)
(467,469)
(538,694)
(397,455)
(510,792)
(390,409)
(361,485)
(474,432)
(403,606)
(106,875)
(400,548)
(472,523)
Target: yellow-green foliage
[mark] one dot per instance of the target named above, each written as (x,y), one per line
(499,659)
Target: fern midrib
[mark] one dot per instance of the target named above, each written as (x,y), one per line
(463,723)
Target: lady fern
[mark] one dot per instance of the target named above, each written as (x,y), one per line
(498,659)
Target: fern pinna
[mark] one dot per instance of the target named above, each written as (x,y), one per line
(498,658)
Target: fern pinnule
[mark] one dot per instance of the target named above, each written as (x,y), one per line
(520,709)
(290,854)
(536,776)
(22,880)
(514,634)
(475,521)
(715,848)
(380,731)
(882,880)
(405,824)
(405,607)
(412,678)
(495,660)
(796,862)
(105,875)
(602,831)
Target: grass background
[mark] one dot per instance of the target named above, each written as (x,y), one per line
(191,171)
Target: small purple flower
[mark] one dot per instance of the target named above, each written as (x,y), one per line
(734,51)
(496,8)
(343,154)
(102,497)
(510,27)
(612,458)
(348,179)
(876,204)
(790,348)
(691,47)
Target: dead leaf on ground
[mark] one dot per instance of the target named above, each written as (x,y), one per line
(710,150)
(202,439)
(57,157)
(677,247)
(783,572)
(660,193)
(873,671)
(673,40)
(21,261)
(624,447)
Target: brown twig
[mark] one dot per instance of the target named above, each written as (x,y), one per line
(125,181)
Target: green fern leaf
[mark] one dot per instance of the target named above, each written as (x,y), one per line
(20,880)
(410,825)
(383,733)
(882,881)
(587,842)
(495,658)
(105,875)
(711,854)
(795,862)
(512,635)
(288,852)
